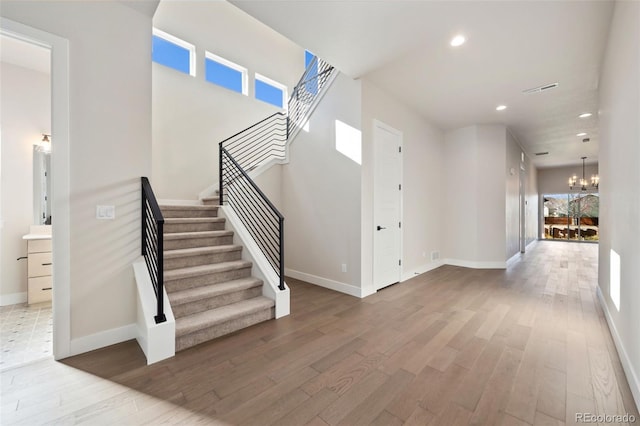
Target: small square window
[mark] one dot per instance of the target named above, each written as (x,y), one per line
(271,91)
(225,73)
(172,52)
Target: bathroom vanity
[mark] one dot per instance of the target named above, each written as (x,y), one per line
(40,283)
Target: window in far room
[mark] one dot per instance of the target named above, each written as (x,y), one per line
(173,52)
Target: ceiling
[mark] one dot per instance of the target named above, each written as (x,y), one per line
(403,47)
(23,54)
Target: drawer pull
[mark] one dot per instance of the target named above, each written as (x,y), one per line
(47,264)
(47,288)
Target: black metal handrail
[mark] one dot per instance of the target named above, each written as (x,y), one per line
(258,144)
(258,214)
(152,244)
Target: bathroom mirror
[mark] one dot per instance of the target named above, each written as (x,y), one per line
(41,186)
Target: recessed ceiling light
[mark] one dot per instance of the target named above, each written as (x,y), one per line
(501,107)
(585,115)
(581,134)
(458,40)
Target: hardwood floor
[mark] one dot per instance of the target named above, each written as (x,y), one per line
(455,346)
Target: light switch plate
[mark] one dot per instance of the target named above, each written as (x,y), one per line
(105,212)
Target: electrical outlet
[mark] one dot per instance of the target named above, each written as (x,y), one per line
(105,212)
(344,267)
(435,255)
(424,254)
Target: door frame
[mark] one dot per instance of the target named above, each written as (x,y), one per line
(60,177)
(384,126)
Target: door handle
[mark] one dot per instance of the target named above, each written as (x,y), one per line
(378,228)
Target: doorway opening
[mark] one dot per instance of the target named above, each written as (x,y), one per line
(571,217)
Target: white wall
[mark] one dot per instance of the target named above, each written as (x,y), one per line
(531,200)
(25,113)
(619,117)
(321,195)
(474,200)
(512,195)
(190,115)
(110,148)
(422,157)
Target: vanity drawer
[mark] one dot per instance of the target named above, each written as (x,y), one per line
(38,246)
(40,290)
(39,264)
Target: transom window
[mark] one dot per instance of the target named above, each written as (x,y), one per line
(271,91)
(225,73)
(173,52)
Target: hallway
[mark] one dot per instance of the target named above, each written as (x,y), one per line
(529,345)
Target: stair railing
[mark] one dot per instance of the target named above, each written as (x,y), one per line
(258,214)
(152,244)
(258,144)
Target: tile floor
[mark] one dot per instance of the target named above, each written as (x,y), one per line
(25,334)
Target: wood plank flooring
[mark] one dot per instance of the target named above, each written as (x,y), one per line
(455,346)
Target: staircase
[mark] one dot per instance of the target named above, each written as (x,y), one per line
(210,287)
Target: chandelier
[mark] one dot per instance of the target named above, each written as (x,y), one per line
(574,181)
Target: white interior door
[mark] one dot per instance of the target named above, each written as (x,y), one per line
(387,205)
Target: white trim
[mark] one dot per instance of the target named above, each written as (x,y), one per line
(627,365)
(13,298)
(232,65)
(475,265)
(421,270)
(181,43)
(349,289)
(261,267)
(60,180)
(102,339)
(282,87)
(157,341)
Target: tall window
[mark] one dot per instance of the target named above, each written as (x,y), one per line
(173,52)
(225,73)
(571,217)
(271,91)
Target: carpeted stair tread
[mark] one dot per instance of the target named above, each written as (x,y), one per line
(196,207)
(195,251)
(223,314)
(177,220)
(198,293)
(194,271)
(196,234)
(213,200)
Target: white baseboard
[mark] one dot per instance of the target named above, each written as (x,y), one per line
(104,338)
(13,298)
(421,270)
(627,365)
(349,289)
(476,265)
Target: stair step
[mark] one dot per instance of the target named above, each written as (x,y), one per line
(171,211)
(193,224)
(184,258)
(203,326)
(211,201)
(197,276)
(199,299)
(183,240)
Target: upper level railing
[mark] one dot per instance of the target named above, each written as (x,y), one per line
(259,144)
(267,139)
(152,242)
